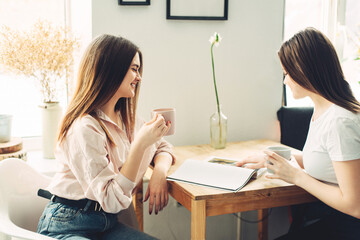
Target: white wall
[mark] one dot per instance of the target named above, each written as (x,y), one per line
(177,73)
(177,65)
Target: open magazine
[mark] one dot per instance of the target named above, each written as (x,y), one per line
(215,172)
(232,162)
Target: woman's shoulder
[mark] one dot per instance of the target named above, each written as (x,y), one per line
(342,113)
(343,117)
(86,119)
(86,123)
(85,130)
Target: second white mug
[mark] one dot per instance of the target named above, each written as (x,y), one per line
(285,152)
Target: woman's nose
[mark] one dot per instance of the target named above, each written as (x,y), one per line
(285,79)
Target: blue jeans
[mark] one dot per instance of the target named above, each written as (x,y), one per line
(64,222)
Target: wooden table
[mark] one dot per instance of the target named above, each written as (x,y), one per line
(259,194)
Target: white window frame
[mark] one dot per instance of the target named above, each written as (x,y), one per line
(332,21)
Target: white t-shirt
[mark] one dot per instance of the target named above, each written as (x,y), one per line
(334,136)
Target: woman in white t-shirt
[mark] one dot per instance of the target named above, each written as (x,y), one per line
(331,155)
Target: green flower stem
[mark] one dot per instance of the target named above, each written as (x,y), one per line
(216,93)
(213,68)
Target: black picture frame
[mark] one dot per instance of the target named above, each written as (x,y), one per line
(172,17)
(133,3)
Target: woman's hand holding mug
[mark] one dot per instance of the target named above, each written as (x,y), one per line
(152,131)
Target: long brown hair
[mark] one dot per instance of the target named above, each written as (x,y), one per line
(101,72)
(311,61)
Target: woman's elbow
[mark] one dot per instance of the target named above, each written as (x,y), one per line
(356,214)
(354,211)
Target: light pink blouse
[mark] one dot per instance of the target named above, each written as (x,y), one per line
(90,165)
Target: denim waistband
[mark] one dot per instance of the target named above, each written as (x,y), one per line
(85,204)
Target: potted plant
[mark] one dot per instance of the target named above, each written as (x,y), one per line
(45,54)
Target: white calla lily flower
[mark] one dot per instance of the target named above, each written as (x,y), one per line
(215,39)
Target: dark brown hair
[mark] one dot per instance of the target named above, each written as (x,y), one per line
(101,72)
(311,61)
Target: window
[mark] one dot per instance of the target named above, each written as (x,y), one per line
(19,96)
(349,43)
(340,21)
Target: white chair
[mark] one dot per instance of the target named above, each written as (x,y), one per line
(20,207)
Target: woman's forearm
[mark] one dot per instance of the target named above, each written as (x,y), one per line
(133,161)
(327,193)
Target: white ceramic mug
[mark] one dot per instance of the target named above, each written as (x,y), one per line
(284,152)
(169,115)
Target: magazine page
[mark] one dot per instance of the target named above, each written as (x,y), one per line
(212,175)
(232,162)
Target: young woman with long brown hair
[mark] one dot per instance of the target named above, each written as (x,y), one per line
(104,149)
(331,155)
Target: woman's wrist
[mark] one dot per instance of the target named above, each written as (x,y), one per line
(161,169)
(298,177)
(138,146)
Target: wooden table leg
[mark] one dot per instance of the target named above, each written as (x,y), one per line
(263,224)
(138,205)
(198,219)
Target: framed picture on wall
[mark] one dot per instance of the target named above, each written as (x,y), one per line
(134,2)
(197,10)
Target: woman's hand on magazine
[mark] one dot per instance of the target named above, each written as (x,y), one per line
(256,160)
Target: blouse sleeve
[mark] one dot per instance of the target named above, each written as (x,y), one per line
(164,147)
(344,140)
(97,176)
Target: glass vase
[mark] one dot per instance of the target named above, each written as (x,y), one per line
(218,129)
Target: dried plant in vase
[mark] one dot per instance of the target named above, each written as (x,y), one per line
(44,53)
